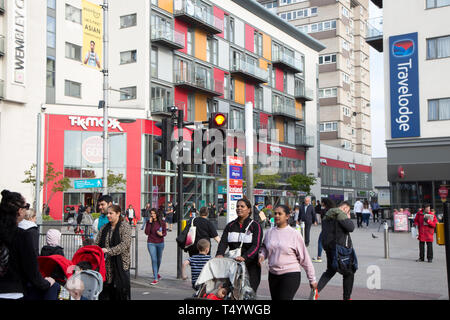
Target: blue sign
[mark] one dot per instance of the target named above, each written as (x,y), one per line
(404,76)
(235,172)
(236,197)
(88,183)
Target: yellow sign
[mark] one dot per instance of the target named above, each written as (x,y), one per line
(92,34)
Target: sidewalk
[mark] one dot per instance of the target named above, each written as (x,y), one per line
(400,277)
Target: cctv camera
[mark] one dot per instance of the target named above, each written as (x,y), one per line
(43,108)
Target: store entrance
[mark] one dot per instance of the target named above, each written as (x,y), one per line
(88,200)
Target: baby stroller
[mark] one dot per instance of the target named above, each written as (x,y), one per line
(57,267)
(93,283)
(94,255)
(225,272)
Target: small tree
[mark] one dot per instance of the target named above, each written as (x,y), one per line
(301,182)
(270,181)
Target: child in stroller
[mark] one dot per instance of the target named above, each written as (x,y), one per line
(221,293)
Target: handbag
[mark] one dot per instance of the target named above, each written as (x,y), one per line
(181,238)
(262,216)
(190,237)
(344,258)
(232,254)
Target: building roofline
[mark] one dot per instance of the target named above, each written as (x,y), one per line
(256,8)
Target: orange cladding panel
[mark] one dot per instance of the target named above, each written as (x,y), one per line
(267,47)
(200,107)
(166,5)
(239,91)
(279,125)
(200,44)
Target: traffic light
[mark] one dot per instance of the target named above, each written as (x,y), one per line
(218,120)
(217,138)
(166,126)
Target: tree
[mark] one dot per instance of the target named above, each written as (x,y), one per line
(301,182)
(270,181)
(115,181)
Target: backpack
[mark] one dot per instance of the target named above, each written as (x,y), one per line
(4,260)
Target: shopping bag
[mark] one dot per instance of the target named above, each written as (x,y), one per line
(190,238)
(414,232)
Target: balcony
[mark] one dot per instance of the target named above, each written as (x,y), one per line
(374,36)
(284,109)
(198,16)
(168,37)
(303,94)
(249,72)
(304,141)
(287,62)
(160,106)
(2,46)
(196,80)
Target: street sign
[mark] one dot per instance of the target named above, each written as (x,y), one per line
(234,185)
(88,183)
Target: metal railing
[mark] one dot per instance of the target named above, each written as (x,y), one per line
(374,27)
(304,140)
(165,32)
(71,241)
(304,92)
(243,66)
(288,59)
(191,8)
(193,77)
(286,109)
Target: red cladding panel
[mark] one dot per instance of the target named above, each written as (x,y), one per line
(279,85)
(249,38)
(182,27)
(250,93)
(219,13)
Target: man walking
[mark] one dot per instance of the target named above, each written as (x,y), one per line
(358,208)
(308,216)
(130,214)
(336,228)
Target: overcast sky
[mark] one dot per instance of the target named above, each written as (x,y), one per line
(377,95)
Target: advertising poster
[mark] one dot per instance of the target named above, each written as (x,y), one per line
(92,34)
(401,222)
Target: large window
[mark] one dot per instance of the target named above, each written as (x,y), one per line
(258,43)
(127,21)
(439,109)
(437,3)
(190,42)
(128,93)
(212,51)
(258,97)
(73,14)
(51,72)
(128,57)
(438,48)
(326,59)
(237,119)
(328,127)
(72,89)
(51,32)
(73,51)
(154,63)
(328,93)
(161,98)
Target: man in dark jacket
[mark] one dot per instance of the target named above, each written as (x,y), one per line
(336,226)
(308,216)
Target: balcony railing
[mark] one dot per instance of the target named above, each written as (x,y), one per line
(374,35)
(286,110)
(197,15)
(167,36)
(2,45)
(304,94)
(304,141)
(250,71)
(285,61)
(193,79)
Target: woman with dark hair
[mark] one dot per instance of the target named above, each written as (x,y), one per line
(327,204)
(115,240)
(248,232)
(19,272)
(367,210)
(204,230)
(156,231)
(286,252)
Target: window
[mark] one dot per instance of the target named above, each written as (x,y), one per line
(226,86)
(346,111)
(345,77)
(285,81)
(272,77)
(232,89)
(438,48)
(328,127)
(161,98)
(328,93)
(258,97)
(237,119)
(129,20)
(190,42)
(439,109)
(326,59)
(318,27)
(50,72)
(191,107)
(345,12)
(258,43)
(347,145)
(51,4)
(128,94)
(212,106)
(437,3)
(72,89)
(51,32)
(154,63)
(73,51)
(226,30)
(129,57)
(212,49)
(73,14)
(231,30)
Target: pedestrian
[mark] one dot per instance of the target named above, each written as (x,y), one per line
(104,202)
(426,221)
(45,209)
(53,244)
(318,210)
(286,252)
(308,216)
(28,223)
(197,262)
(88,222)
(156,231)
(259,216)
(19,272)
(169,216)
(243,229)
(358,208)
(336,228)
(293,221)
(366,212)
(130,214)
(145,213)
(193,211)
(204,230)
(375,210)
(115,240)
(327,204)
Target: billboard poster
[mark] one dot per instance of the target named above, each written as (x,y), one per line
(404,83)
(92,22)
(401,222)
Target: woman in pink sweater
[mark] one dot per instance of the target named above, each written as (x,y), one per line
(286,251)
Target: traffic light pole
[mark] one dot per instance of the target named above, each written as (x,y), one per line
(447,241)
(180,189)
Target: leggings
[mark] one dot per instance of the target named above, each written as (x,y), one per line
(284,286)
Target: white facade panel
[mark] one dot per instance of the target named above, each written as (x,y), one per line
(224,54)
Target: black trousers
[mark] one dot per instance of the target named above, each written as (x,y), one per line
(375,215)
(284,286)
(329,274)
(254,274)
(429,250)
(307,233)
(109,292)
(359,219)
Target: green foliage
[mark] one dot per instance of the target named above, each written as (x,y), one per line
(270,181)
(95,215)
(47,218)
(301,182)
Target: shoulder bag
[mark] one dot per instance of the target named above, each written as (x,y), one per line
(232,254)
(344,259)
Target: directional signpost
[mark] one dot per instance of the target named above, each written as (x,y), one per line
(88,183)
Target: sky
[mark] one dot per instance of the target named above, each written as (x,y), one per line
(377,95)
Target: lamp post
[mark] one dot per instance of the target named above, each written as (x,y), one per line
(105,96)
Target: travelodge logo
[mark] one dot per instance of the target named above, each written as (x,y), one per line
(85,123)
(403,48)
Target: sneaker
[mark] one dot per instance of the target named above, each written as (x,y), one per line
(154,282)
(317,260)
(314,295)
(159,276)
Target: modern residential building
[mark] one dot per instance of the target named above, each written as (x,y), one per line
(201,56)
(344,69)
(417,68)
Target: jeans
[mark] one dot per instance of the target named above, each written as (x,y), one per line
(156,252)
(359,219)
(366,218)
(320,248)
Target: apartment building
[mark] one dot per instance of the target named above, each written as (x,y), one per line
(417,103)
(201,56)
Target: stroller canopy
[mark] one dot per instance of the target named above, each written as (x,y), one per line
(94,255)
(48,264)
(93,283)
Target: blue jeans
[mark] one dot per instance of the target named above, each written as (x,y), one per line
(320,248)
(366,218)
(156,252)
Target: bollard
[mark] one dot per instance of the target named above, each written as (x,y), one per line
(302,227)
(386,240)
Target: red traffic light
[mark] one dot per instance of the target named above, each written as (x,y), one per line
(220,119)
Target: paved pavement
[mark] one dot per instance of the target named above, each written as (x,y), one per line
(396,278)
